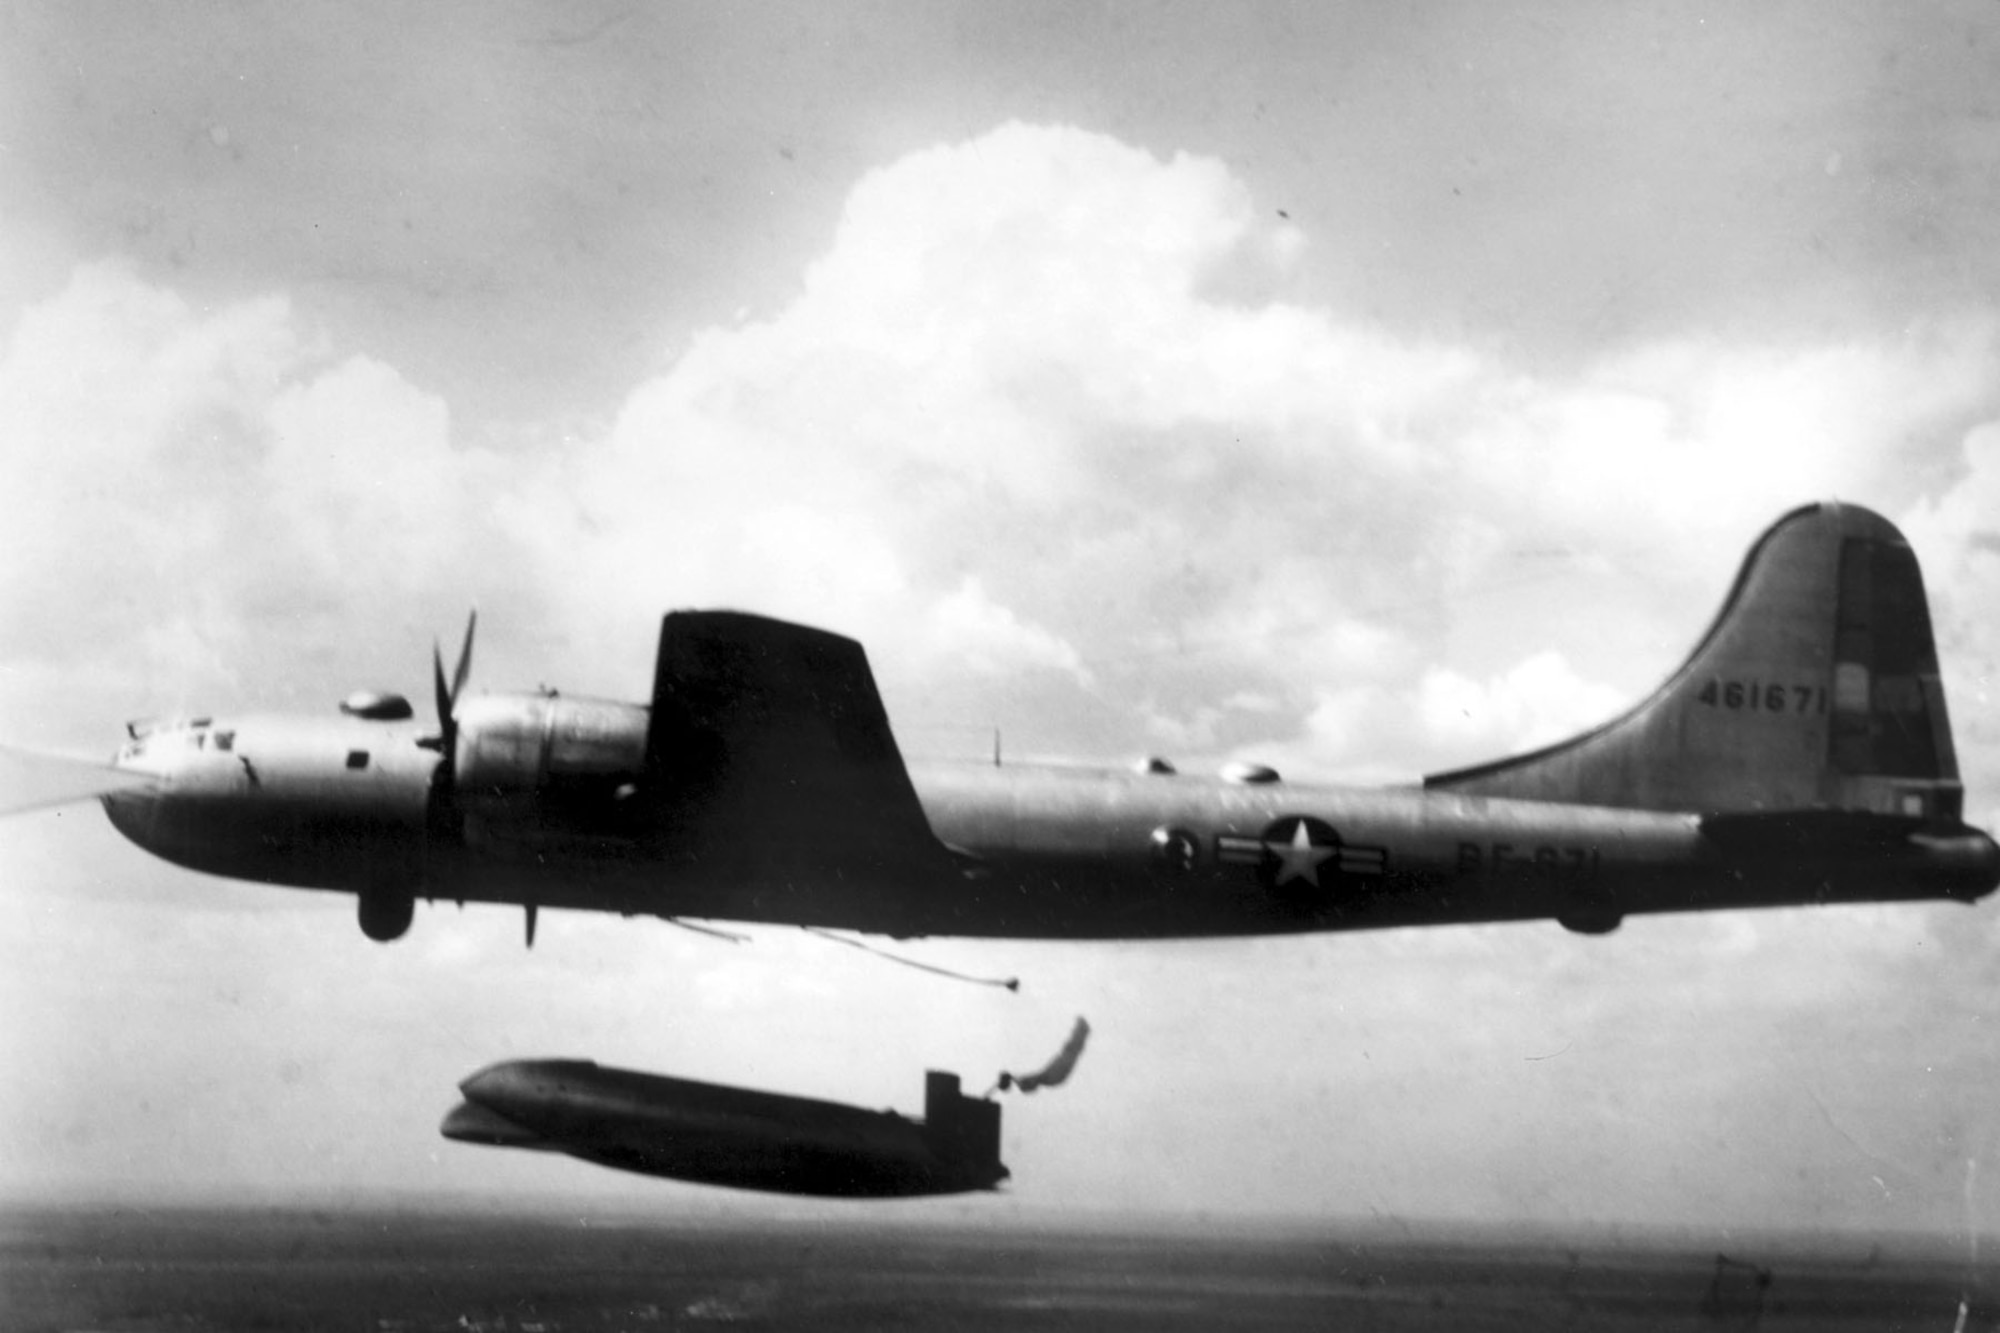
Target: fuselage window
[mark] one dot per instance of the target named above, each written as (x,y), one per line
(357,758)
(225,740)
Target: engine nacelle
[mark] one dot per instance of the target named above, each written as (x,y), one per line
(534,772)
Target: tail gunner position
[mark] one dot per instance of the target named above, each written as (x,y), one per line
(1802,754)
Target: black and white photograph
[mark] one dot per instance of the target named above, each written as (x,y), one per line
(892,665)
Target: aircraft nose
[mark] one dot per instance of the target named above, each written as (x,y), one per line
(166,765)
(148,761)
(132,812)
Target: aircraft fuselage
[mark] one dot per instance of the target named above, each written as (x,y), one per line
(1038,851)
(1801,754)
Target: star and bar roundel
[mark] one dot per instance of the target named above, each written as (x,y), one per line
(1297,853)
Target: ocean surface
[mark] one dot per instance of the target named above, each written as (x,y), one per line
(127,1269)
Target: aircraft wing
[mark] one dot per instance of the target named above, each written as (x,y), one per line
(30,781)
(770,760)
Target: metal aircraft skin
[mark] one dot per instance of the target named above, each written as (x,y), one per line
(1802,754)
(717,1135)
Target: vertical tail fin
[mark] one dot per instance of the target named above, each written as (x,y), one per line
(964,1132)
(1815,689)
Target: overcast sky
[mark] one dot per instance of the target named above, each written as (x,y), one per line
(1364,389)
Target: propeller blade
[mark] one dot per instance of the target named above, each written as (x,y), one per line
(443,693)
(446,695)
(442,816)
(464,667)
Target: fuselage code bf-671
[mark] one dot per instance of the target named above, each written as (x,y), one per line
(1801,755)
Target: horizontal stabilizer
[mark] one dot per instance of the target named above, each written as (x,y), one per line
(31,781)
(1795,832)
(1954,860)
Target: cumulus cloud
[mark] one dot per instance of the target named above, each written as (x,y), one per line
(967,625)
(198,493)
(1021,363)
(1024,434)
(1958,534)
(1539,700)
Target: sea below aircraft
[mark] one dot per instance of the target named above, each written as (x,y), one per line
(1802,754)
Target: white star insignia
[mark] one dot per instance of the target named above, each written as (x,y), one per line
(1299,858)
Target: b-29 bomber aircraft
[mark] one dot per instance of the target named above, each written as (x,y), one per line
(1801,755)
